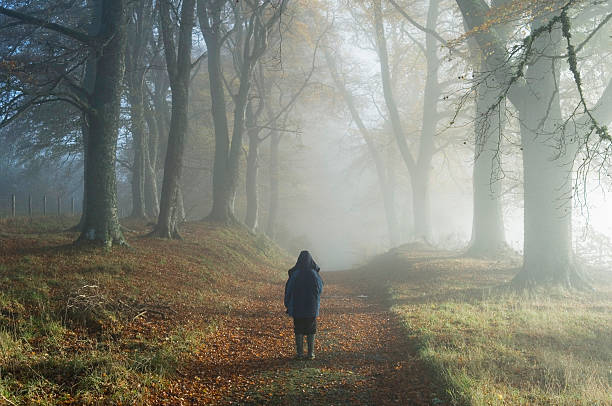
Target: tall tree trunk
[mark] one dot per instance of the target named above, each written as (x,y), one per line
(179,68)
(275,139)
(140,146)
(422,174)
(488,236)
(101,223)
(547,247)
(418,169)
(158,120)
(151,193)
(89,81)
(252,24)
(252,169)
(210,24)
(140,28)
(548,255)
(235,153)
(222,197)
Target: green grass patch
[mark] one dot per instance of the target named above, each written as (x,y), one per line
(493,346)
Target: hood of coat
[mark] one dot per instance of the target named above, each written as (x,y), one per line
(304,262)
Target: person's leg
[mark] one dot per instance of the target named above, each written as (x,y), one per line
(310,337)
(310,340)
(299,337)
(299,345)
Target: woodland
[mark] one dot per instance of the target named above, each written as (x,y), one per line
(447,163)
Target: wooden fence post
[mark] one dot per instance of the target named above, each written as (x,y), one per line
(13,205)
(72,206)
(30,206)
(44,205)
(59,206)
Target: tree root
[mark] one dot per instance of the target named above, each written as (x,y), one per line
(83,242)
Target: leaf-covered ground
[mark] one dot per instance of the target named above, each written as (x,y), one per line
(362,357)
(198,321)
(201,321)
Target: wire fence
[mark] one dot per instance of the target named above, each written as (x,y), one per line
(30,205)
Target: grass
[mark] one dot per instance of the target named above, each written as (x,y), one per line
(492,346)
(87,326)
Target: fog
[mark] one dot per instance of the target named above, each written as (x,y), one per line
(437,170)
(336,159)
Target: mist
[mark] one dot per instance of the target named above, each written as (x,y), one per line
(330,198)
(440,169)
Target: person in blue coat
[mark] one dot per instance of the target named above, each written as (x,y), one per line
(303,300)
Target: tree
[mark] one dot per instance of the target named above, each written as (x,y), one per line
(157,115)
(101,107)
(140,28)
(488,236)
(382,170)
(252,165)
(419,168)
(531,85)
(178,62)
(277,114)
(253,23)
(263,94)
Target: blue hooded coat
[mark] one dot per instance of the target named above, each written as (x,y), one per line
(303,288)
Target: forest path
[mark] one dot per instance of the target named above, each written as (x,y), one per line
(362,355)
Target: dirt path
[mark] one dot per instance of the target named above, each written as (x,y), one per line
(362,356)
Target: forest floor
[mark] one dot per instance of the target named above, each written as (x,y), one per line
(363,356)
(201,321)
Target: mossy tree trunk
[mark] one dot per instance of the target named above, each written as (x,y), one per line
(101,222)
(178,62)
(99,98)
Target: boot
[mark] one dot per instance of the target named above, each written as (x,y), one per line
(299,345)
(310,341)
